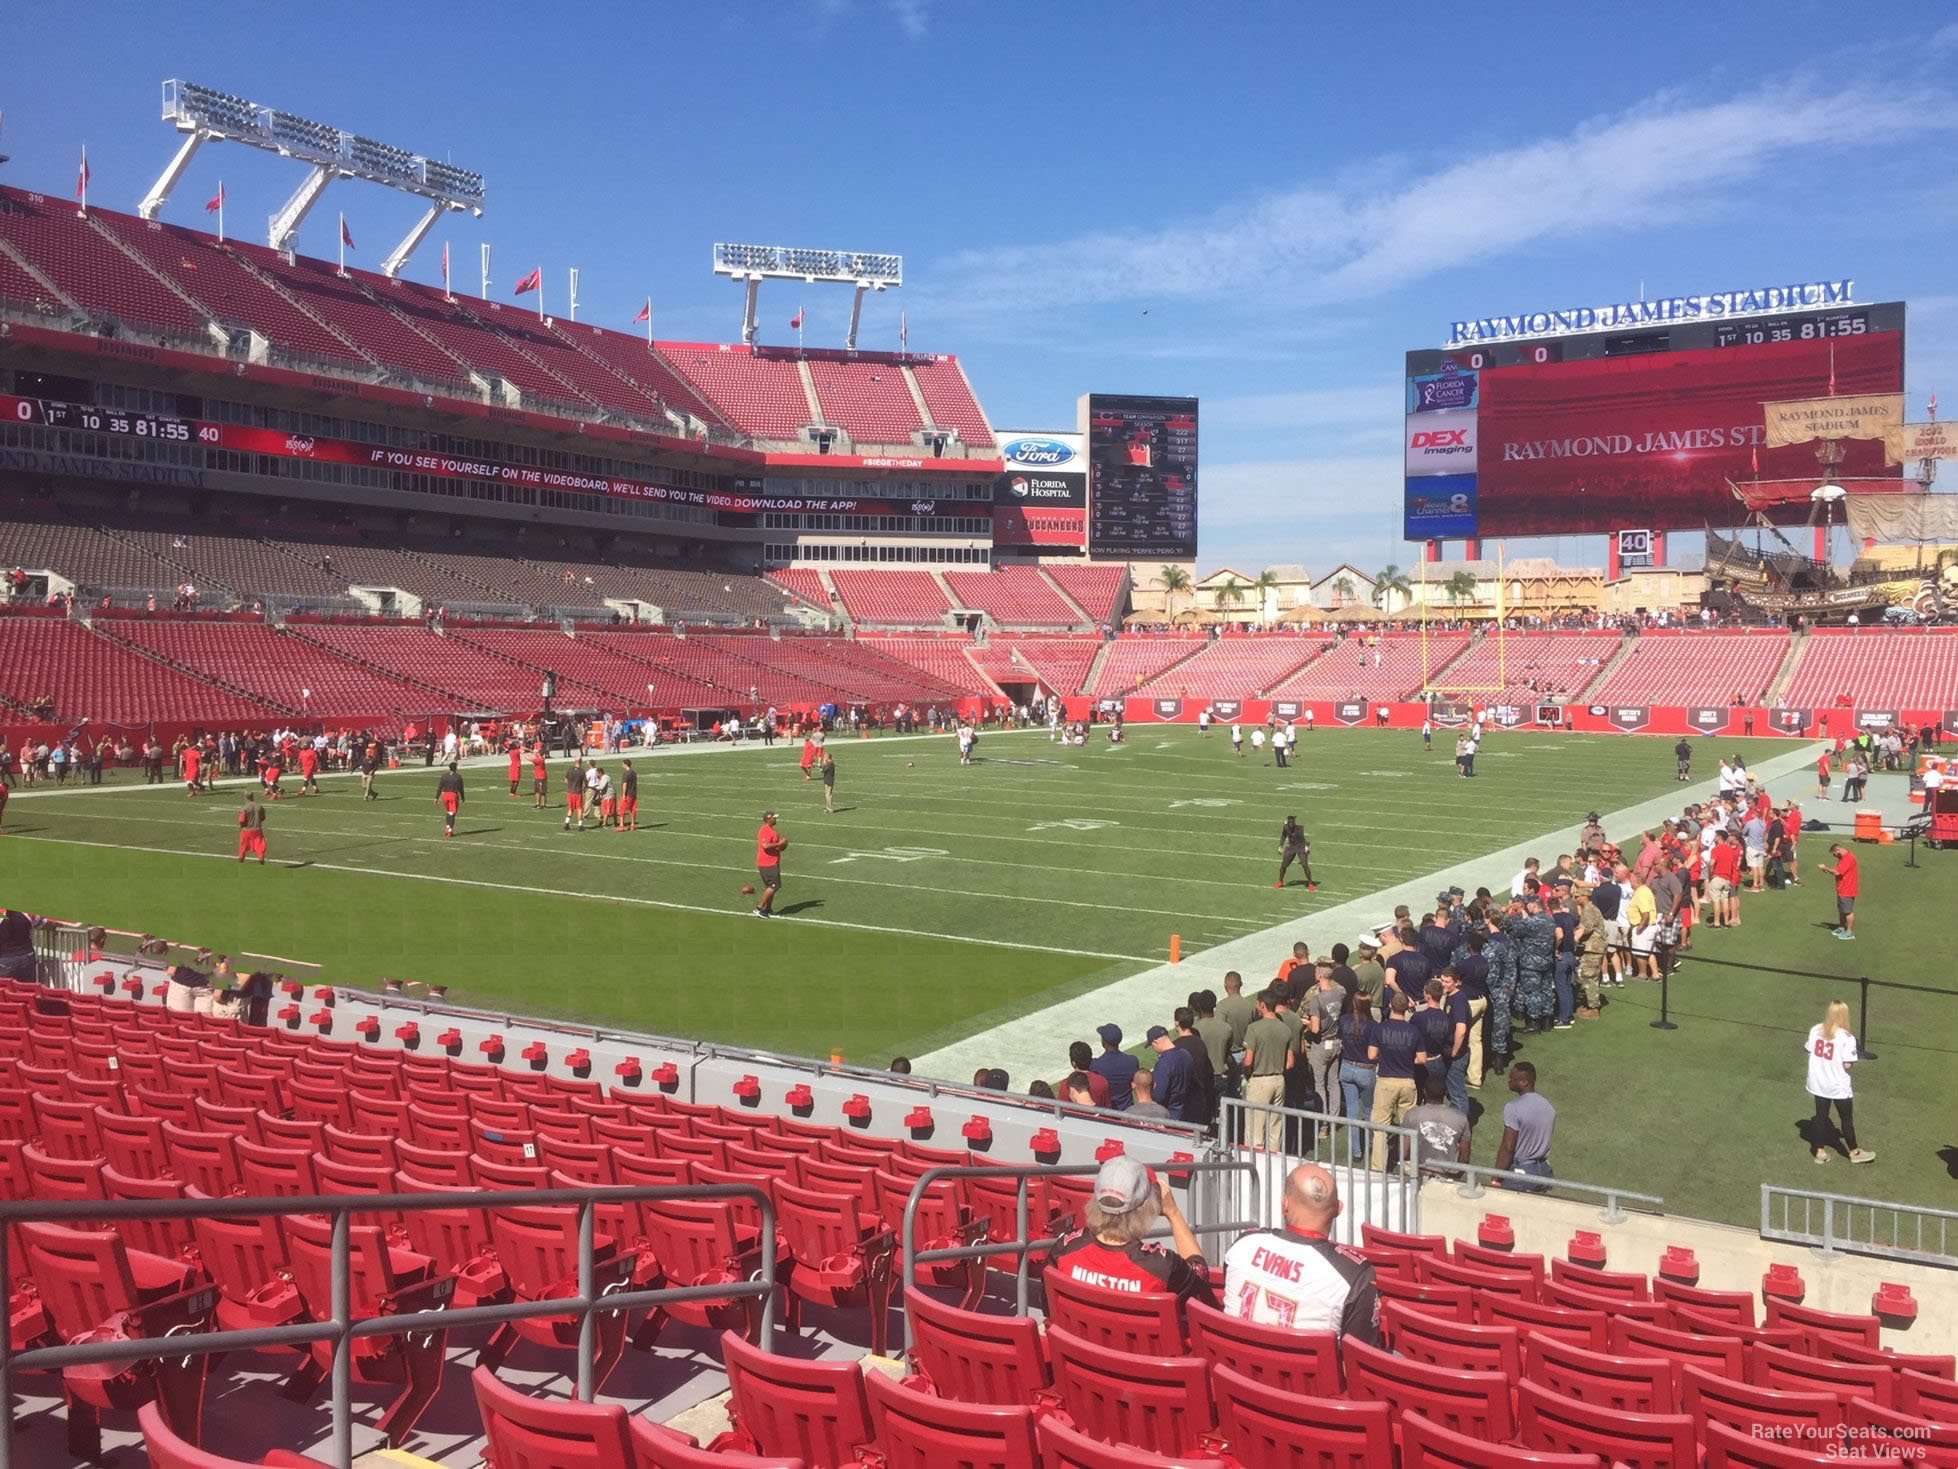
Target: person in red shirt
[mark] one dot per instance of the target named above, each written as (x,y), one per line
(309,769)
(1824,771)
(540,776)
(1723,886)
(1109,1250)
(769,846)
(516,768)
(193,765)
(808,754)
(1846,875)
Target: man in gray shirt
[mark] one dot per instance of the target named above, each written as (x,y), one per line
(1145,1103)
(1441,1131)
(1527,1123)
(1754,837)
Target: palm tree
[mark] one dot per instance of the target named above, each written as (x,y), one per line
(1344,589)
(1386,581)
(1228,593)
(1266,586)
(1173,580)
(1461,587)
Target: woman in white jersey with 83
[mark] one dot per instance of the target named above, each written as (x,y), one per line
(1831,1052)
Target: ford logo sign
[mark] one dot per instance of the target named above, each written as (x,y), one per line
(1046,452)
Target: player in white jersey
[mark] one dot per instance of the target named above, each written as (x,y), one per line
(965,744)
(1831,1052)
(1237,738)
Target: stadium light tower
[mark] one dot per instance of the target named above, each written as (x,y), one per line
(204,114)
(752,264)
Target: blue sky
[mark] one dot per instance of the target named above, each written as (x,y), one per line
(1264,205)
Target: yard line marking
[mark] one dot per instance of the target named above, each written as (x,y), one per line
(511,887)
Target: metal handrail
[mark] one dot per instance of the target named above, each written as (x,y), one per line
(1840,1235)
(341,1330)
(1469,1178)
(1020,1244)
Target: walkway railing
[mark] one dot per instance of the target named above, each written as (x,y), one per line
(1474,1181)
(1277,1139)
(1204,1205)
(1841,1224)
(343,1329)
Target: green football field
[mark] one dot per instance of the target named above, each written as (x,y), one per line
(941,900)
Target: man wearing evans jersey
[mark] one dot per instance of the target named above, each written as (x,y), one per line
(1109,1251)
(1296,1277)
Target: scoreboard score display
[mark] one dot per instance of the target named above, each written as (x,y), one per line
(1645,428)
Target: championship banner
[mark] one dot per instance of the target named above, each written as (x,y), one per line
(1903,518)
(1803,420)
(1908,442)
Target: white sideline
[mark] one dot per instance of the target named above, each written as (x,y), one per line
(1035,1045)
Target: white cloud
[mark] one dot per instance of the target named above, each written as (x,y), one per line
(1364,234)
(913,17)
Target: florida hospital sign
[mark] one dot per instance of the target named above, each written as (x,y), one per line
(1661,311)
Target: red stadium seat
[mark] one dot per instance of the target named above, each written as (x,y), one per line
(64,1129)
(450,1166)
(523,1432)
(975,1357)
(247,1260)
(1789,1371)
(1927,1396)
(381,1282)
(537,1246)
(1712,1398)
(814,1411)
(94,1288)
(285,1132)
(1726,1355)
(1372,1235)
(213,1117)
(1699,1323)
(1736,1448)
(1488,1259)
(165,1237)
(1576,1298)
(1433,1270)
(1590,1329)
(1732,1305)
(1644,1384)
(1904,1437)
(1426,1444)
(698,1242)
(1863,1331)
(204,1160)
(457,1238)
(1062,1447)
(1148,1323)
(918,1431)
(1456,1301)
(168,1451)
(1454,1344)
(61,1180)
(1933,1364)
(1267,1425)
(1300,1363)
(1602,1282)
(1472,1402)
(265,1173)
(1160,1404)
(942,1220)
(843,1257)
(358,1148)
(1548,1420)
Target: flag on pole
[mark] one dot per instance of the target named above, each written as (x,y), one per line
(445,272)
(645,312)
(1754,457)
(215,205)
(1934,405)
(346,243)
(81,180)
(795,322)
(903,333)
(532,282)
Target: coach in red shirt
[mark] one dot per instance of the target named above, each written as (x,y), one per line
(1846,876)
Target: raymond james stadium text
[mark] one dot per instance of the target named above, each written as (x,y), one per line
(1657,312)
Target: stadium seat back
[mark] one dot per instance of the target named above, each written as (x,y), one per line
(587,1162)
(494,1173)
(685,1148)
(1480,1279)
(623,1135)
(167,1106)
(1428,1444)
(1266,1424)
(65,1129)
(1591,1329)
(561,1126)
(266,1173)
(276,1131)
(243,1254)
(320,1101)
(232,1121)
(1147,1323)
(167,1450)
(165,1237)
(1429,1297)
(1062,1447)
(859,1185)
(1373,1236)
(1735,1448)
(434,1165)
(500,1114)
(814,1411)
(1904,1437)
(538,1247)
(1504,1260)
(1475,1403)
(377,1115)
(16,1113)
(1779,1368)
(446,1130)
(918,1431)
(1931,1364)
(61,1180)
(362,1149)
(1159,1404)
(1577,1298)
(659,1447)
(1699,1323)
(1736,1306)
(1726,1355)
(1617,1283)
(522,1432)
(374,1272)
(1632,1384)
(84,1276)
(205,1160)
(1300,1363)
(1713,1398)
(243,1088)
(976,1357)
(1547,1420)
(1458,1344)
(1863,1331)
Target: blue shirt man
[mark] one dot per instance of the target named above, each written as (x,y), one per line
(1116,1068)
(1174,1070)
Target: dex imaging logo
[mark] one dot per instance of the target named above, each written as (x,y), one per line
(1440,443)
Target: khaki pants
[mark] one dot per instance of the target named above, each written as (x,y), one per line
(1393,1099)
(1267,1129)
(1477,1009)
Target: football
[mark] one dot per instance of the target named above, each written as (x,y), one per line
(747,887)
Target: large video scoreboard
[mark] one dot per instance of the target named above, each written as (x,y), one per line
(1142,477)
(1636,428)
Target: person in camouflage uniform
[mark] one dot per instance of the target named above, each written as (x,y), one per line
(1534,933)
(1500,950)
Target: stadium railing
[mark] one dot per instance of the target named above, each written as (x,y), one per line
(1343,1145)
(1841,1224)
(1473,1179)
(343,1329)
(1203,1203)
